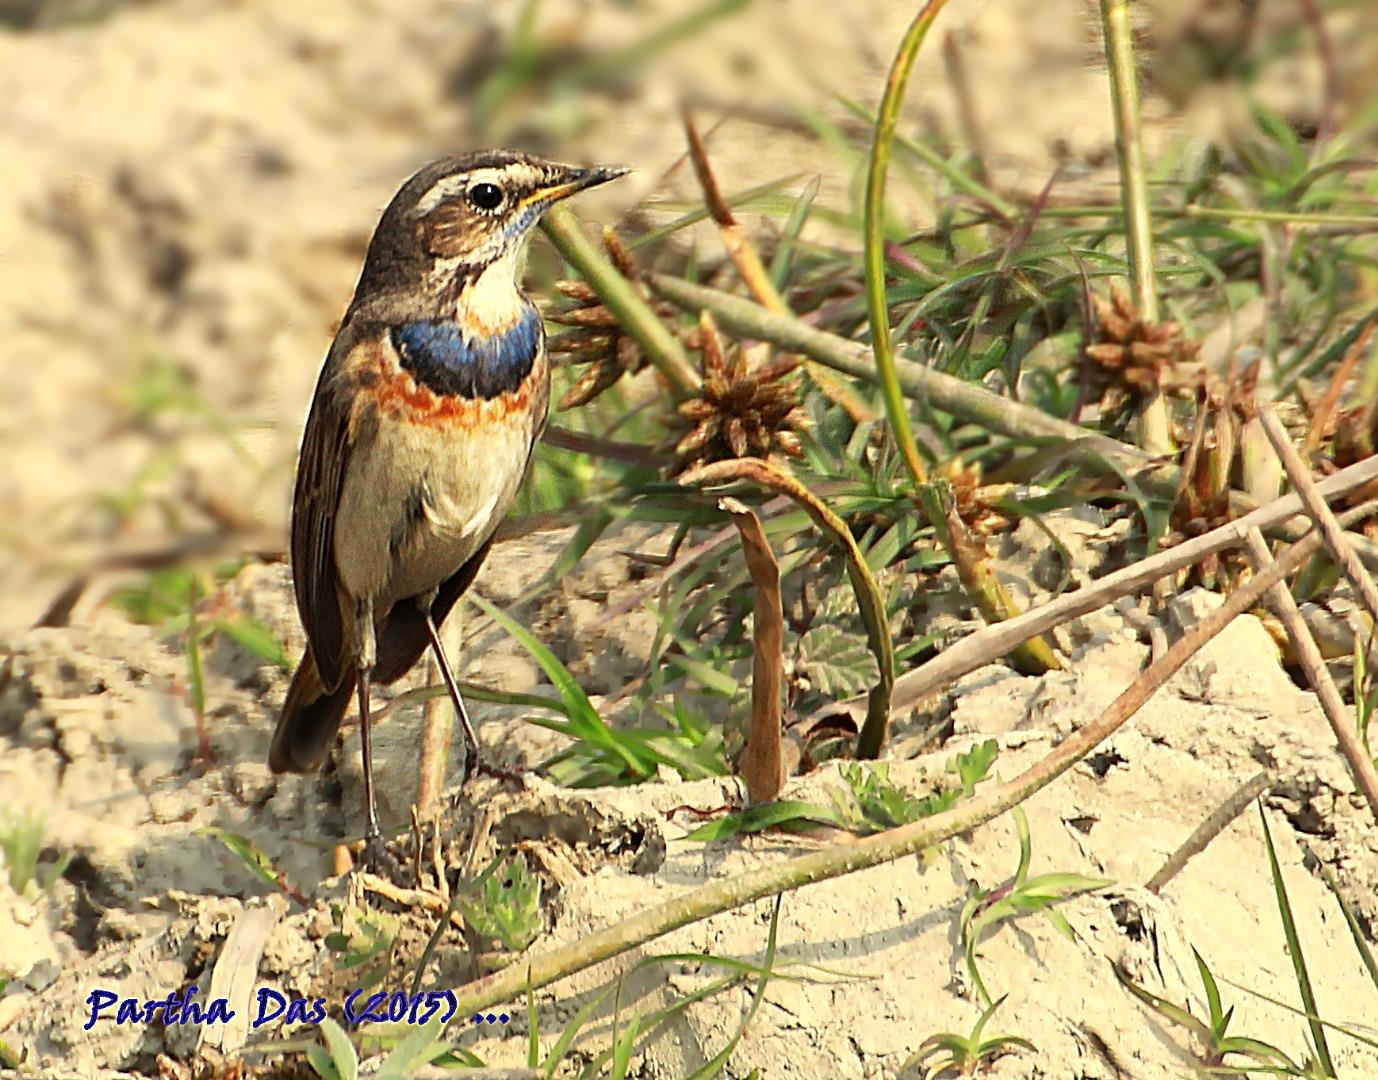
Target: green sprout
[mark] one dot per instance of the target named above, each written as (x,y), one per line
(1023,895)
(964,1054)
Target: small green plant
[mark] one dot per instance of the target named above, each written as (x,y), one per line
(1212,1034)
(507,906)
(338,1059)
(1322,1066)
(964,1054)
(642,1029)
(167,598)
(869,804)
(1022,895)
(601,755)
(21,841)
(187,602)
(878,804)
(365,941)
(255,860)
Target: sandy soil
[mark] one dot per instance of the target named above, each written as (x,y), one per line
(196,186)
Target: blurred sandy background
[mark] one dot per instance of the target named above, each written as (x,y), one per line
(189,186)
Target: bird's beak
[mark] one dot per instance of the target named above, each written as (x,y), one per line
(571,182)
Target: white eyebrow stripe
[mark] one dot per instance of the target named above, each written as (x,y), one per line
(519,174)
(449,186)
(443,189)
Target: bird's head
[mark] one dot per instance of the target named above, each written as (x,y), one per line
(459,216)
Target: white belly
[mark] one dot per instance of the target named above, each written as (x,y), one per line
(391,545)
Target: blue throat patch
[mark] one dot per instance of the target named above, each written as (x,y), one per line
(441,358)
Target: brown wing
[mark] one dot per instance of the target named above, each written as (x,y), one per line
(325,452)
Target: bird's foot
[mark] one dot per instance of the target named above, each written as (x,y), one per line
(378,859)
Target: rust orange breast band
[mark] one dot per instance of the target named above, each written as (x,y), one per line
(399,394)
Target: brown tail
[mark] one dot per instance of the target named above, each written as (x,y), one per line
(309,720)
(311,715)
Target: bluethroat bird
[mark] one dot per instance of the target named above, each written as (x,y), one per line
(431,399)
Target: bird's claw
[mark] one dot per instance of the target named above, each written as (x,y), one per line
(378,859)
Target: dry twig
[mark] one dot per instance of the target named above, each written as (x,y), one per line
(1318,675)
(1320,513)
(1218,821)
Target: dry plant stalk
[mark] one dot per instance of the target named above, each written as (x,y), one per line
(1155,425)
(597,337)
(994,641)
(1325,409)
(976,572)
(1320,513)
(753,272)
(763,764)
(435,744)
(622,300)
(1318,675)
(972,403)
(541,969)
(1216,823)
(869,601)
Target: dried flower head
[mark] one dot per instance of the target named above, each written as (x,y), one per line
(597,338)
(976,503)
(740,411)
(1132,356)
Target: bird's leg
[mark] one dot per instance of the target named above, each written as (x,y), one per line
(474,761)
(375,851)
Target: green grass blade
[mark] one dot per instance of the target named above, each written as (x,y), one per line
(877,301)
(1289,927)
(720,1059)
(584,718)
(1356,930)
(757,818)
(342,1053)
(783,262)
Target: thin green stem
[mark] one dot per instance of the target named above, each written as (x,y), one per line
(1222,213)
(1124,100)
(877,304)
(1095,452)
(972,403)
(962,181)
(661,347)
(1155,426)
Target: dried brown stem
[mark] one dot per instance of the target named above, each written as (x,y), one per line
(763,766)
(1325,408)
(1318,675)
(1218,821)
(869,600)
(1320,513)
(583,443)
(752,271)
(435,746)
(268,544)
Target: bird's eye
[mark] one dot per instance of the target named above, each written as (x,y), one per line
(485,196)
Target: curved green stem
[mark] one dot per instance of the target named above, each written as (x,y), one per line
(877,308)
(869,600)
